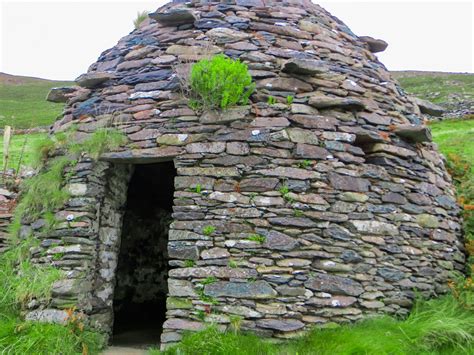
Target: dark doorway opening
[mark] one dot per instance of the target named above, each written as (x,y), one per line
(142,270)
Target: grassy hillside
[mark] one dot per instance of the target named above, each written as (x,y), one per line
(446,89)
(23,101)
(21,149)
(455,137)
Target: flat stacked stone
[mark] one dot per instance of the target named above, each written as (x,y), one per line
(7,203)
(350,195)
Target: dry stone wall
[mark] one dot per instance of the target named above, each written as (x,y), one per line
(7,203)
(327,209)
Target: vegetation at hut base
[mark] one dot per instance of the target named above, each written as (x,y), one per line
(441,326)
(22,281)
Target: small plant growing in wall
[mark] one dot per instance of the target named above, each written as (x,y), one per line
(289,100)
(257,238)
(298,213)
(271,100)
(141,16)
(219,83)
(198,188)
(233,264)
(285,192)
(304,164)
(209,280)
(208,230)
(189,263)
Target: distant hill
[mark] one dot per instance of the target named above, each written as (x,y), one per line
(454,91)
(23,101)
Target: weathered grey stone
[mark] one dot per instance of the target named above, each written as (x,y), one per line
(60,94)
(334,301)
(179,139)
(226,35)
(250,290)
(334,284)
(298,135)
(348,183)
(284,84)
(139,156)
(48,316)
(429,107)
(93,79)
(230,115)
(282,325)
(213,271)
(414,133)
(214,147)
(183,250)
(241,311)
(391,274)
(183,324)
(311,152)
(353,197)
(375,45)
(293,221)
(180,288)
(427,221)
(292,173)
(374,227)
(320,101)
(304,66)
(215,253)
(174,17)
(259,184)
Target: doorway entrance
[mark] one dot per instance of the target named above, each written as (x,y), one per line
(142,269)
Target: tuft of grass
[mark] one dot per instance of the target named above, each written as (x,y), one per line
(141,16)
(21,280)
(208,230)
(271,100)
(102,140)
(219,83)
(257,238)
(44,192)
(189,263)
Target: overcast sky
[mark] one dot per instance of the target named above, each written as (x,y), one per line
(60,39)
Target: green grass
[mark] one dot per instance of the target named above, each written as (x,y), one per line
(455,137)
(23,102)
(220,83)
(18,338)
(437,87)
(29,142)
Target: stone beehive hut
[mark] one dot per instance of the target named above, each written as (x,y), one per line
(287,215)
